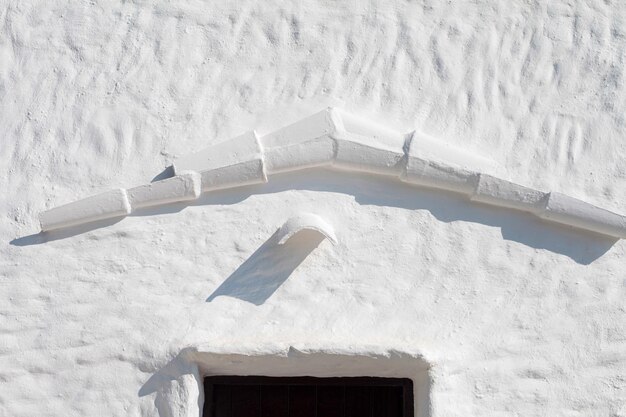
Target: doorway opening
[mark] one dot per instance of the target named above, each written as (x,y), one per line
(263,396)
(180,387)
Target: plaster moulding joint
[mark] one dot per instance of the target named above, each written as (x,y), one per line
(335,138)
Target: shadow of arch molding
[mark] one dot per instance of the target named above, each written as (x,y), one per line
(271,264)
(345,145)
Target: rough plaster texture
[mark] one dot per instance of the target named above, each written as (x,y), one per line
(509,316)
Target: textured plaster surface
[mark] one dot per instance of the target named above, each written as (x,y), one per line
(512,316)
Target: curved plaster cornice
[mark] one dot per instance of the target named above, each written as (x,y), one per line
(341,140)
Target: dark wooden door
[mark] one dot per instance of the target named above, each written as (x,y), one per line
(258,396)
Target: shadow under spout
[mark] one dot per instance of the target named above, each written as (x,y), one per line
(268,267)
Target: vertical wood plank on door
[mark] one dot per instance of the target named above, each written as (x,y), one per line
(380,398)
(221,401)
(407,400)
(330,401)
(274,401)
(395,398)
(302,401)
(246,400)
(358,401)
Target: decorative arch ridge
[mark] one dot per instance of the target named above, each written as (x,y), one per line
(334,138)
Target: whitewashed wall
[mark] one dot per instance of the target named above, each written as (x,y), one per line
(512,316)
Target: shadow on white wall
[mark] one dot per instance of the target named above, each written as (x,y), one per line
(582,246)
(268,267)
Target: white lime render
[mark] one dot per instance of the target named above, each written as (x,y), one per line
(335,139)
(319,188)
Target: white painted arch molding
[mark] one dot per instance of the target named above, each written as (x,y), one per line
(334,138)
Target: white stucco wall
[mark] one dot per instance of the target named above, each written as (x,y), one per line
(505,314)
